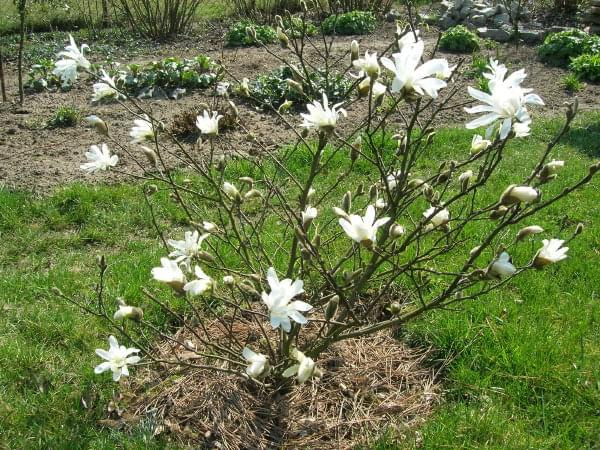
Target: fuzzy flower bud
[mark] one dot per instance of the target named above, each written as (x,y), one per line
(524,232)
(517,194)
(354,50)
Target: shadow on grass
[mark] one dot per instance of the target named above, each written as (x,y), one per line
(586,139)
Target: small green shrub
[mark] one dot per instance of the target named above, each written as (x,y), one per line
(571,83)
(273,89)
(64,117)
(354,22)
(478,67)
(586,67)
(237,36)
(459,39)
(295,27)
(40,76)
(559,48)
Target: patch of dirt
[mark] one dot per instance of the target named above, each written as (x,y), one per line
(369,385)
(38,159)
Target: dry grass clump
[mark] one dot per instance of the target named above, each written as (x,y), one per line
(369,385)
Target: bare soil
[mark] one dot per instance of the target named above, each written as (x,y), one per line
(36,158)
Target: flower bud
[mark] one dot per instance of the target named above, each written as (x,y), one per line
(316,242)
(524,232)
(396,231)
(428,192)
(517,194)
(415,183)
(285,106)
(98,124)
(373,193)
(149,154)
(464,180)
(340,212)
(355,149)
(474,251)
(305,253)
(360,190)
(228,280)
(579,228)
(151,189)
(252,193)
(283,39)
(251,33)
(354,50)
(498,213)
(248,288)
(294,86)
(347,201)
(205,256)
(129,312)
(332,307)
(395,308)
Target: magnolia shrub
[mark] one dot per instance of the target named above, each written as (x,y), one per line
(309,258)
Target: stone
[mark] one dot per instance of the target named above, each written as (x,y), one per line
(446,22)
(489,12)
(502,9)
(500,19)
(496,34)
(464,12)
(478,20)
(532,36)
(594,29)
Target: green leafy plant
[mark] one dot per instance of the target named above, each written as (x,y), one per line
(273,88)
(295,26)
(586,67)
(40,76)
(65,116)
(559,48)
(354,22)
(459,39)
(238,37)
(571,83)
(478,67)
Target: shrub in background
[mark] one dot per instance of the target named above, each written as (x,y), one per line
(586,67)
(65,116)
(459,39)
(353,22)
(559,48)
(237,35)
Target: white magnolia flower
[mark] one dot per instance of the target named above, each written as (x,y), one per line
(532,229)
(228,280)
(465,176)
(517,194)
(142,130)
(209,124)
(209,227)
(506,102)
(392,180)
(365,86)
(105,88)
(202,284)
(321,116)
(304,370)
(409,77)
(222,88)
(446,71)
(66,70)
(281,308)
(309,214)
(552,251)
(188,248)
(442,217)
(363,230)
(478,143)
(117,358)
(259,364)
(99,158)
(128,312)
(380,203)
(369,65)
(502,267)
(169,273)
(76,54)
(230,190)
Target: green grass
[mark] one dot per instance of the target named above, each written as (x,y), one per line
(525,362)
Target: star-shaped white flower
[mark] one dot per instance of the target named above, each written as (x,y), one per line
(363,230)
(76,54)
(259,363)
(502,267)
(369,64)
(72,59)
(203,283)
(170,273)
(552,251)
(66,70)
(442,217)
(304,370)
(142,130)
(321,116)
(99,158)
(281,308)
(409,76)
(309,214)
(188,248)
(105,88)
(209,124)
(117,358)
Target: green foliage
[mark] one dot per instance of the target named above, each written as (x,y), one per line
(571,83)
(272,88)
(354,22)
(478,67)
(459,39)
(296,26)
(40,76)
(170,74)
(65,116)
(237,36)
(559,48)
(586,66)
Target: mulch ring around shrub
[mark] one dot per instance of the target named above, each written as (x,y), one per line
(370,385)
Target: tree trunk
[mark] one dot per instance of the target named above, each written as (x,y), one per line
(21,44)
(105,13)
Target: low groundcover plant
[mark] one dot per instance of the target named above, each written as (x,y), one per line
(279,264)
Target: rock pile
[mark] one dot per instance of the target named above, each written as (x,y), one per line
(593,17)
(491,20)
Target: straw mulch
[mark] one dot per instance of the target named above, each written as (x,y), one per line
(370,385)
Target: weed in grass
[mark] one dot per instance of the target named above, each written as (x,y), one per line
(571,83)
(65,116)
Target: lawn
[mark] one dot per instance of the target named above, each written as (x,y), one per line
(524,363)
